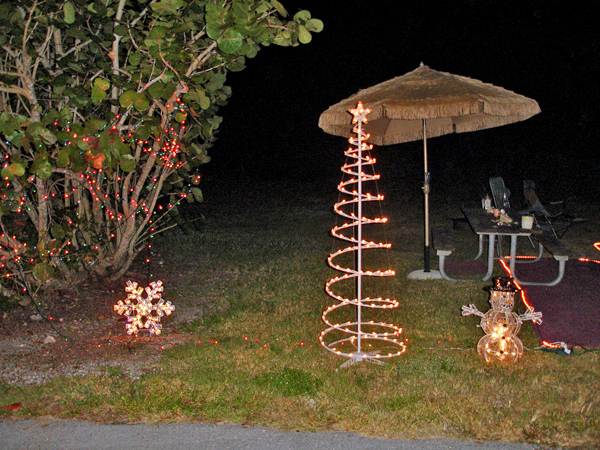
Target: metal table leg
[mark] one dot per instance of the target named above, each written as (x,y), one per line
(491,242)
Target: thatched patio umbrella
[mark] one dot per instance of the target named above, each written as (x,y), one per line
(426,103)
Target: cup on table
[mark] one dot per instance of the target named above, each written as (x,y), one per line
(527,222)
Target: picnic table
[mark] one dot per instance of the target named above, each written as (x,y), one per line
(487,226)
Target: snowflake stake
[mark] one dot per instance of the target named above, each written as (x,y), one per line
(142,312)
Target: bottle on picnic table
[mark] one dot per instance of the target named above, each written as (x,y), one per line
(486,202)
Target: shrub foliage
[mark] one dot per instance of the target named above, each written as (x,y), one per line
(107,108)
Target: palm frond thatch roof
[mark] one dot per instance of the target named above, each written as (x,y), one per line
(450,103)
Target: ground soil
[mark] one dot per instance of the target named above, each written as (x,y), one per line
(77,332)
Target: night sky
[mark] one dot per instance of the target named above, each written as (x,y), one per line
(546,50)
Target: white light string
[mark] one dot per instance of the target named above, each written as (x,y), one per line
(359,340)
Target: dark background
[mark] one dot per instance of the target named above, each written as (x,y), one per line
(546,50)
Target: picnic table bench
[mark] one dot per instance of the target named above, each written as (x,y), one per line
(559,251)
(443,243)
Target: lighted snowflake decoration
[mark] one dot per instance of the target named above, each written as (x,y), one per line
(144,312)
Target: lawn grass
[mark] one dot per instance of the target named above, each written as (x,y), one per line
(258,361)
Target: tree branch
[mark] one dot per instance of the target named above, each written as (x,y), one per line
(76,48)
(13,90)
(115,47)
(200,59)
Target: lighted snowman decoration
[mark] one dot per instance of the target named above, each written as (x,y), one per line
(501,324)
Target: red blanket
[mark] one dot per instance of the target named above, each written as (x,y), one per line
(571,309)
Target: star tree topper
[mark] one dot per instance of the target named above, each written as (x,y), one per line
(142,312)
(359,113)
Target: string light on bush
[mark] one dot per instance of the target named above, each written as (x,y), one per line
(89,187)
(358,339)
(171,147)
(144,312)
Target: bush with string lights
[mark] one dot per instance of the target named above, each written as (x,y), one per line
(107,108)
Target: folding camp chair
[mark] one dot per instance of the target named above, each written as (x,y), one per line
(545,219)
(500,193)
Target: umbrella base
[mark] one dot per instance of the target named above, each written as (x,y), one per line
(422,275)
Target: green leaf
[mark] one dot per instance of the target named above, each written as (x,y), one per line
(251,49)
(158,90)
(304,35)
(279,7)
(76,67)
(47,136)
(63,136)
(216,82)
(33,130)
(302,16)
(127,163)
(197,96)
(98,95)
(69,12)
(283,38)
(144,132)
(166,79)
(96,124)
(142,103)
(213,30)
(237,65)
(231,41)
(201,154)
(65,115)
(38,133)
(44,170)
(134,59)
(197,193)
(156,42)
(50,117)
(214,11)
(158,32)
(6,174)
(121,30)
(102,83)
(62,158)
(16,169)
(58,232)
(314,25)
(43,272)
(167,7)
(127,98)
(76,158)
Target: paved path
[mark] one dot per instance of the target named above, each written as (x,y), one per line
(67,435)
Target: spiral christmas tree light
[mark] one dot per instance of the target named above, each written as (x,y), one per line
(357,339)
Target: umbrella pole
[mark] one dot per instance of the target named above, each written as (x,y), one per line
(426,273)
(426,253)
